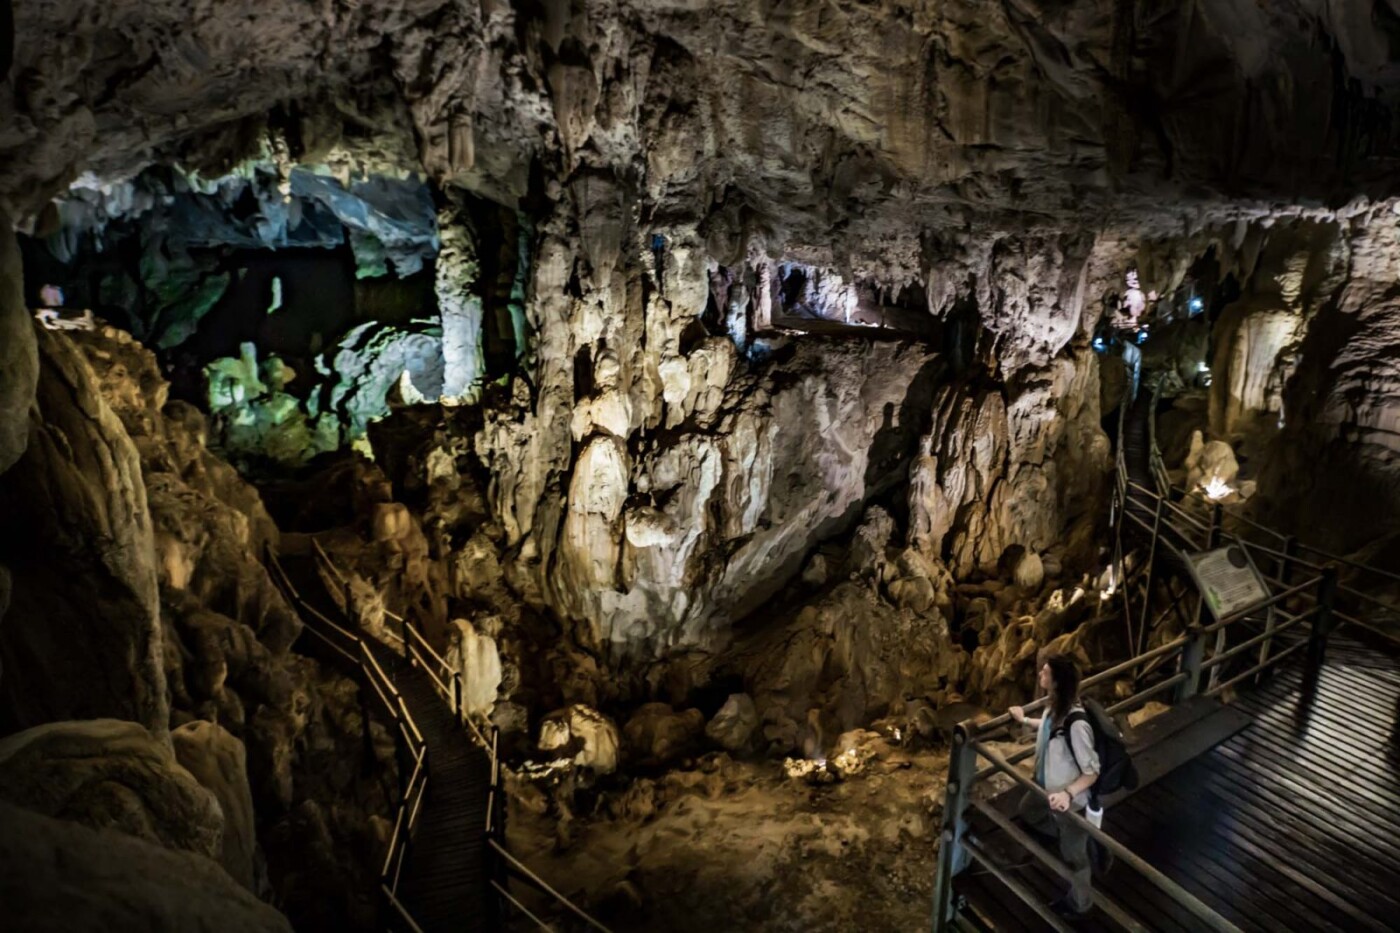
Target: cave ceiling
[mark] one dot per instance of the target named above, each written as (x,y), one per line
(834,127)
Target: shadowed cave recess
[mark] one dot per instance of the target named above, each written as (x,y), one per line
(725,391)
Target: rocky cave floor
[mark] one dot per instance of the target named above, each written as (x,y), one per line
(740,845)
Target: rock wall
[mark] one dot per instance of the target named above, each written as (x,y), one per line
(142,595)
(58,871)
(83,637)
(19,358)
(1331,471)
(109,774)
(239,696)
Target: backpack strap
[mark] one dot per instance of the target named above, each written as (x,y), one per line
(1062,731)
(1075,716)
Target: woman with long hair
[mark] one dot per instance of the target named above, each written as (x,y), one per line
(1066,766)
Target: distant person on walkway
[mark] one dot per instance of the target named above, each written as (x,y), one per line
(1066,765)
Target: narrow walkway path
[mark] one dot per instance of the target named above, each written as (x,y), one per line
(1291,824)
(444,883)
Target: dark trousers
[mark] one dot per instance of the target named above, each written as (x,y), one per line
(1074,844)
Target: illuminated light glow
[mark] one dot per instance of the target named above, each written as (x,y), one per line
(1107,592)
(1195,304)
(1099,344)
(1202,367)
(1216,489)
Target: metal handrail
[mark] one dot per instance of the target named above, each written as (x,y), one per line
(1259,639)
(1176,892)
(540,884)
(970,737)
(441,673)
(411,796)
(982,729)
(1101,900)
(393,901)
(1250,610)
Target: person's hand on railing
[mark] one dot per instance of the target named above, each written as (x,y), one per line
(1018,713)
(1059,801)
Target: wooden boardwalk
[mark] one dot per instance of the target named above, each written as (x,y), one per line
(1292,823)
(444,885)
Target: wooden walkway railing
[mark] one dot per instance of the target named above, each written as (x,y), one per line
(347,644)
(1197,658)
(345,639)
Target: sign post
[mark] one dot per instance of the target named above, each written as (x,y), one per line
(1229,582)
(1228,579)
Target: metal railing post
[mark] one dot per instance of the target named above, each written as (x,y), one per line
(1192,654)
(1147,590)
(1217,516)
(402,755)
(962,766)
(457,694)
(1285,563)
(363,691)
(403,633)
(1322,618)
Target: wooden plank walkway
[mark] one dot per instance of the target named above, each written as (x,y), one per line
(444,885)
(1291,824)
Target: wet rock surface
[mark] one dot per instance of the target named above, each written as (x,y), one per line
(109,880)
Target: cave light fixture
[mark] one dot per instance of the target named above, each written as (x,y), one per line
(1195,306)
(1216,488)
(1107,592)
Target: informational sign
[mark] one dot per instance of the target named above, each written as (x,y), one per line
(1228,579)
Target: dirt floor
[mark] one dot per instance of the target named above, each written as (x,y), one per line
(728,845)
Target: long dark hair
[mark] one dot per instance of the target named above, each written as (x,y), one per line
(1064,677)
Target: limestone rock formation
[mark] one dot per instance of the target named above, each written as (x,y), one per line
(59,875)
(19,361)
(109,774)
(217,760)
(225,634)
(82,638)
(1083,100)
(478,658)
(999,472)
(584,735)
(657,734)
(732,728)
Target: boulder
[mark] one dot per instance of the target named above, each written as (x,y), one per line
(56,875)
(1211,466)
(734,726)
(109,774)
(219,763)
(584,734)
(657,734)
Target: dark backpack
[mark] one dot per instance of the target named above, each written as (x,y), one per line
(1116,768)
